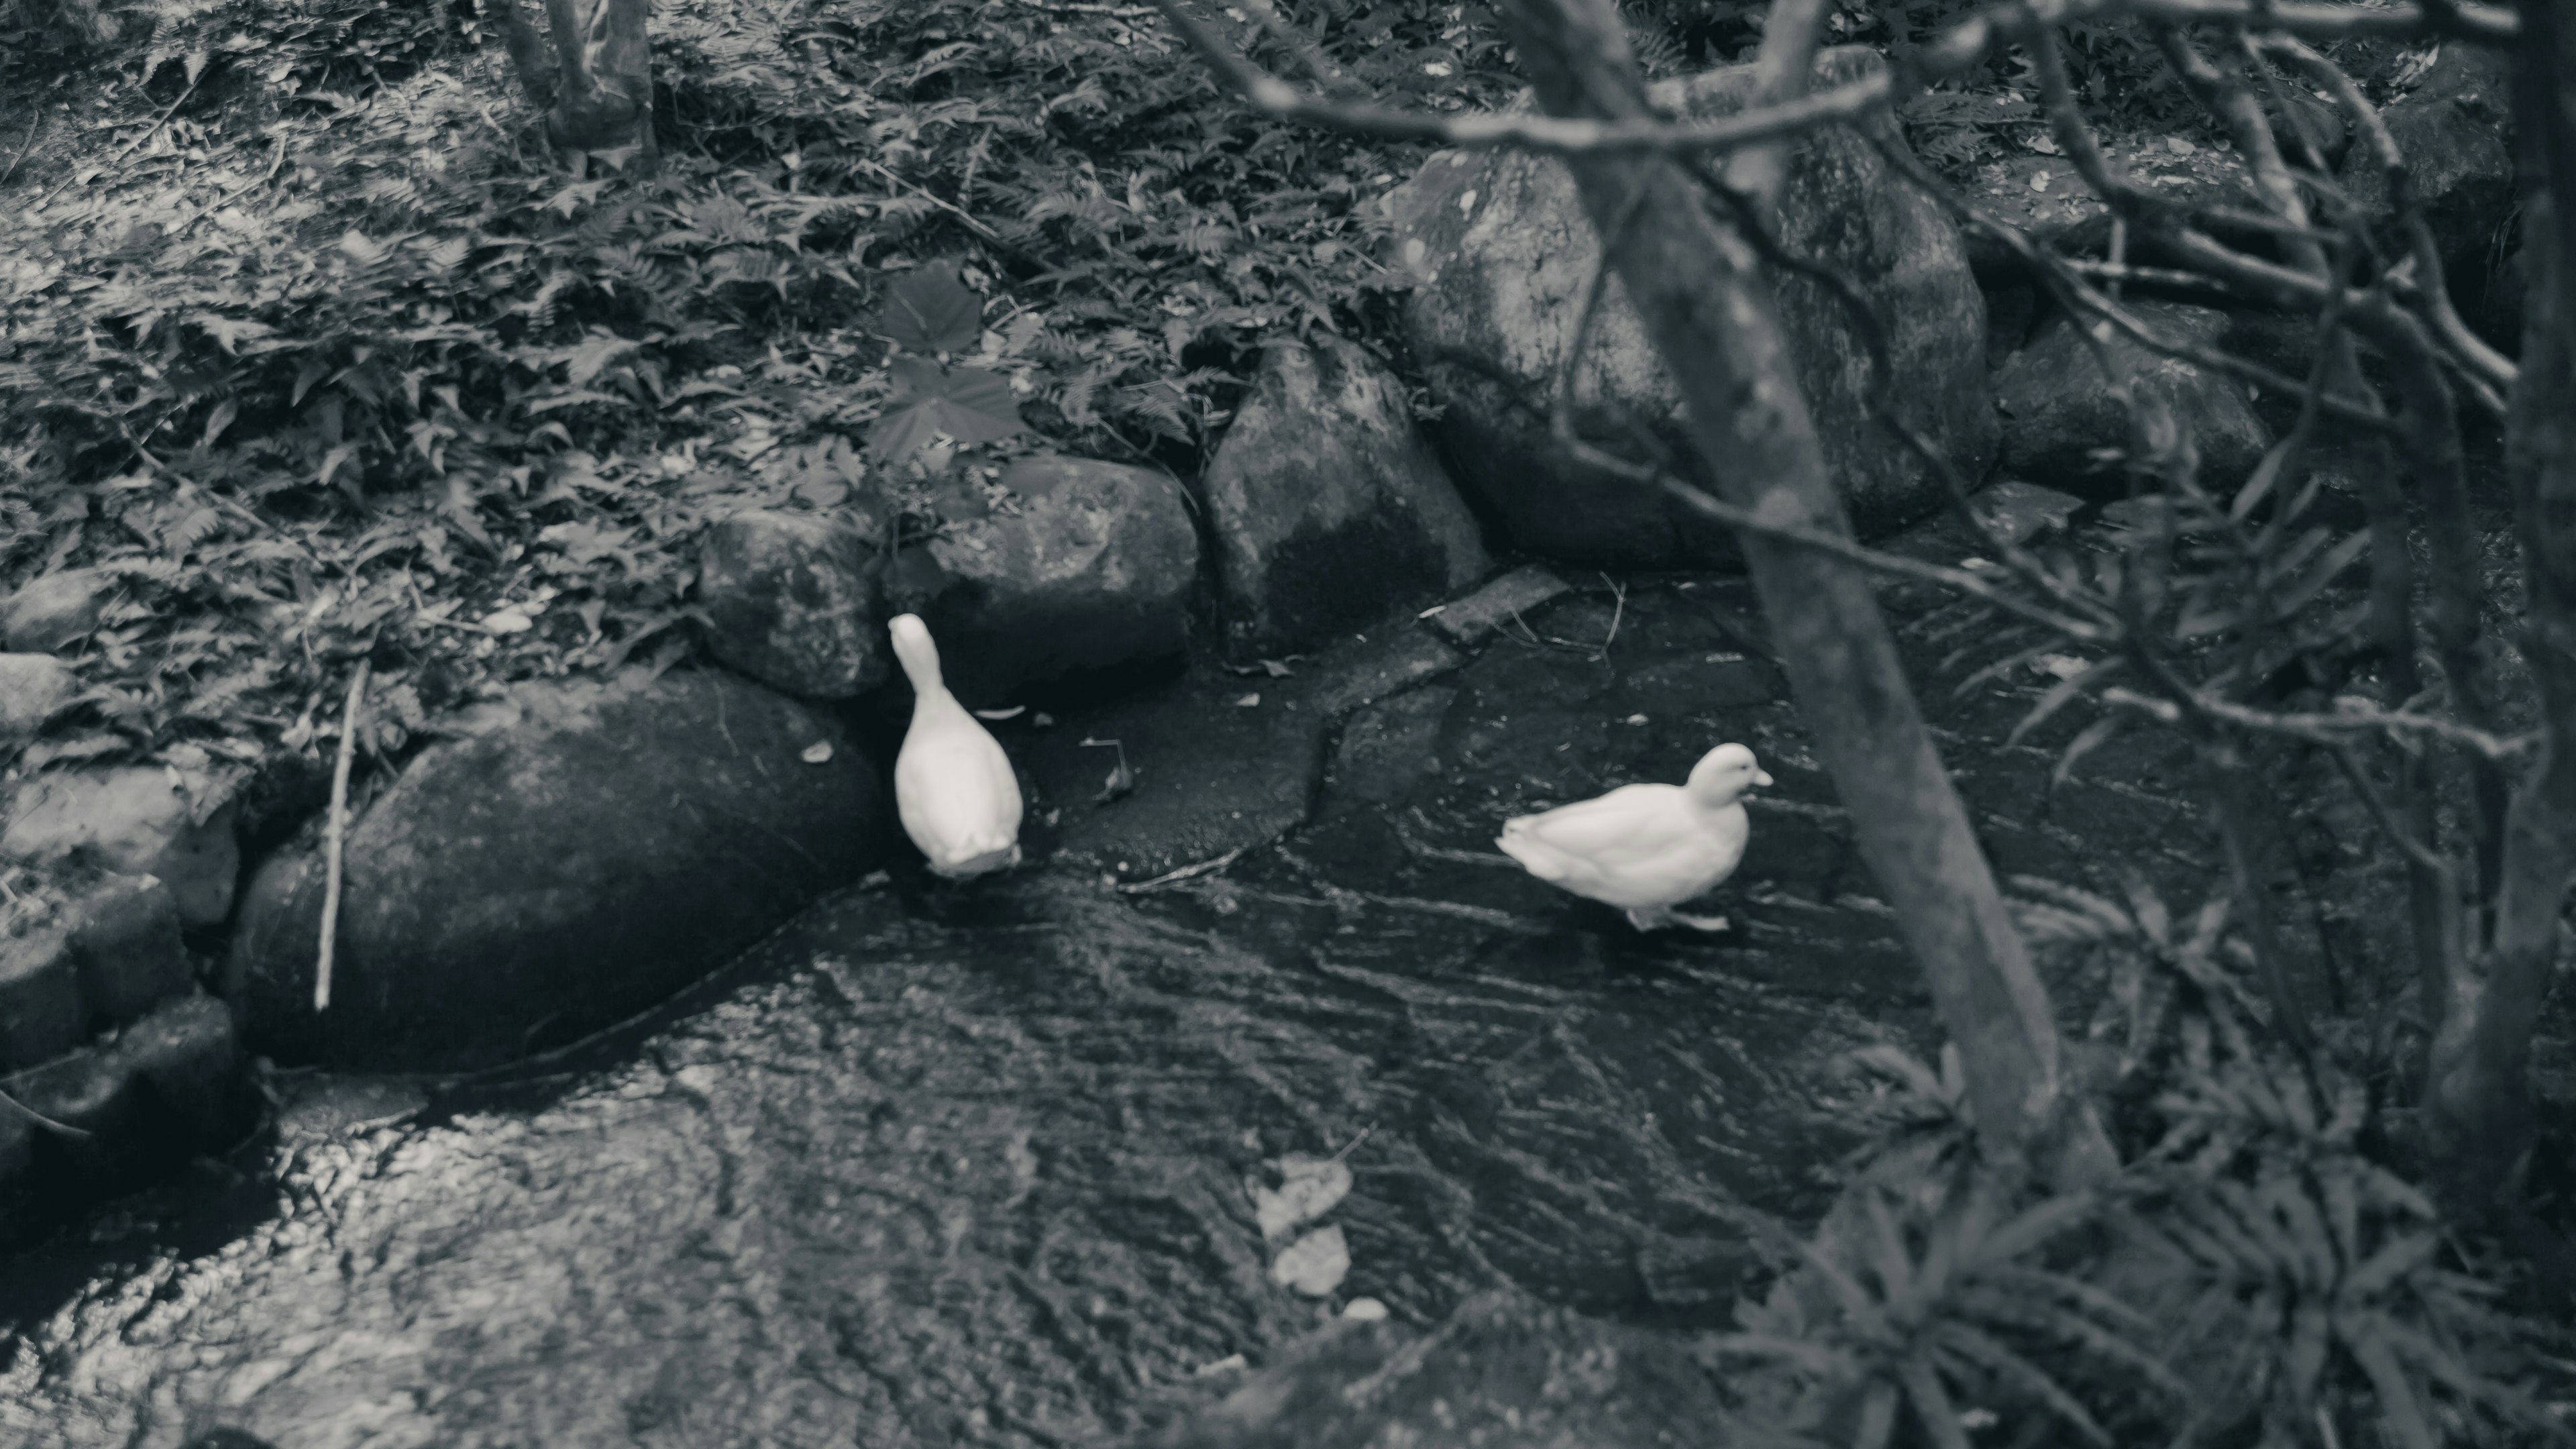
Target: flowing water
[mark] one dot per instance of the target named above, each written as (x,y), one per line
(970,1168)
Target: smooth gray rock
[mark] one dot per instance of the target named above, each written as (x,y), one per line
(790,599)
(587,850)
(132,820)
(55,610)
(1091,570)
(2059,408)
(1328,507)
(1502,254)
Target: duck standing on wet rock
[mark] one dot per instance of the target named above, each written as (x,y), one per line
(1646,848)
(953,786)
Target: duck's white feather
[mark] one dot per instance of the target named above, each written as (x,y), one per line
(954,789)
(1644,848)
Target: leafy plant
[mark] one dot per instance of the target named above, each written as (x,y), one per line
(1941,1306)
(929,315)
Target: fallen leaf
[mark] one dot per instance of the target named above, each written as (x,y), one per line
(1315,1264)
(509,621)
(1248,701)
(1309,1188)
(817,752)
(1364,1310)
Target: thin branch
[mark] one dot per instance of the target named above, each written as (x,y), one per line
(2339,726)
(2071,291)
(2490,368)
(2415,850)
(337,832)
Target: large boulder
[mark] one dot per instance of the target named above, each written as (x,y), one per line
(1089,568)
(1328,508)
(2060,411)
(585,850)
(153,820)
(1502,254)
(2454,131)
(790,599)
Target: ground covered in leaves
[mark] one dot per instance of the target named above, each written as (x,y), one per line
(305,343)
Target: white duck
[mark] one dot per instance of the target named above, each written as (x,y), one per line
(1646,848)
(953,786)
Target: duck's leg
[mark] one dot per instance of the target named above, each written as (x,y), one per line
(1650,918)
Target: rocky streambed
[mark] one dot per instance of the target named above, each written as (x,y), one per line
(938,1165)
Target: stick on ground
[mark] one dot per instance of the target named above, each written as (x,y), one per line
(338,833)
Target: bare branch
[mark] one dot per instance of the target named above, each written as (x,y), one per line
(1554,135)
(2342,725)
(2490,369)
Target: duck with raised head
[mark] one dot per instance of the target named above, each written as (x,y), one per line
(953,787)
(1646,848)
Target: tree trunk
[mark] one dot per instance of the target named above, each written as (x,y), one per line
(595,82)
(2477,1107)
(1713,321)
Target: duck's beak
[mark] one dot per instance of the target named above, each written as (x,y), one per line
(1761,777)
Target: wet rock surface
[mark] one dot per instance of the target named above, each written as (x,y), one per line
(969,1167)
(593,848)
(1503,255)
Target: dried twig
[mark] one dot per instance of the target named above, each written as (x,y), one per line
(1187,872)
(351,718)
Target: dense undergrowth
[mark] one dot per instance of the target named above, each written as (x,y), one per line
(303,343)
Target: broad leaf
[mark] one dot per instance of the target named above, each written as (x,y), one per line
(968,404)
(930,311)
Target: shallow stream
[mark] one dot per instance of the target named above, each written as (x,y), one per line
(967,1167)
